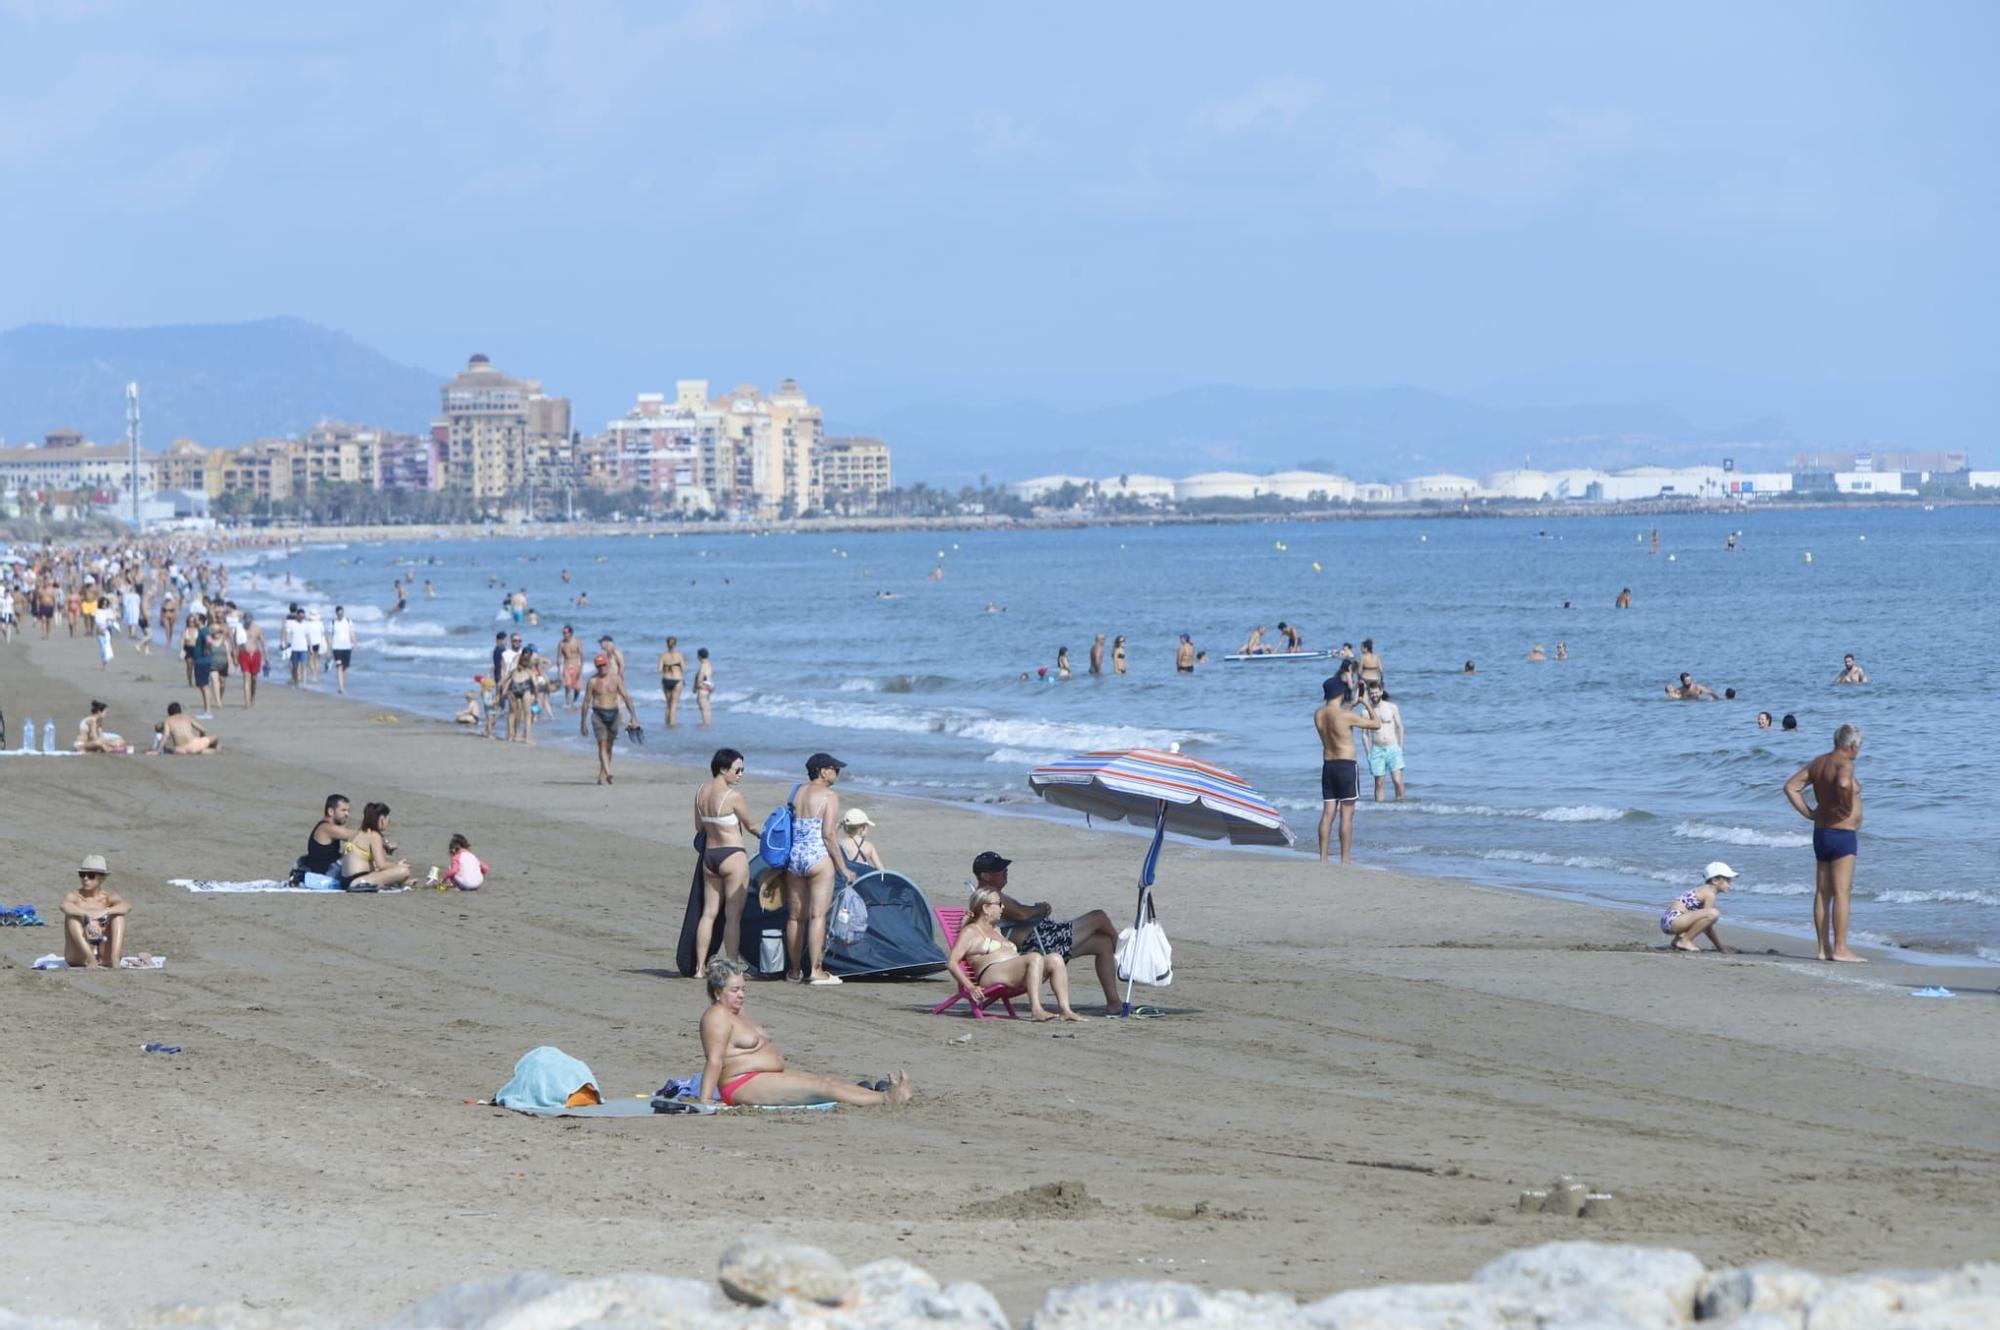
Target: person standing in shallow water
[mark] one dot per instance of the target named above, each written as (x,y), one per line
(673,674)
(1836,817)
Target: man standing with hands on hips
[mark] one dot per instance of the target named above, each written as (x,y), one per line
(1836,817)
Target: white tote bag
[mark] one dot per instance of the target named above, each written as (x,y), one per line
(1145,956)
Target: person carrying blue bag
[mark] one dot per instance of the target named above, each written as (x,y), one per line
(800,835)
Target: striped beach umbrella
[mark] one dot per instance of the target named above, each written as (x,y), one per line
(1140,784)
(1172,791)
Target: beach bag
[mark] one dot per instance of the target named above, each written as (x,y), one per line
(774,842)
(1144,955)
(850,915)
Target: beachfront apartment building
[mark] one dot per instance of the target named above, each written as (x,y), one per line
(502,435)
(409,461)
(669,450)
(333,453)
(776,443)
(853,472)
(64,460)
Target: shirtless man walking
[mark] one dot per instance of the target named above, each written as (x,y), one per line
(1836,817)
(604,692)
(1339,779)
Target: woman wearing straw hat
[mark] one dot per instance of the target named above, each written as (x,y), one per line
(94,918)
(861,856)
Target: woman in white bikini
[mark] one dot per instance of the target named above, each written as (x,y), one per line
(984,957)
(720,814)
(740,1064)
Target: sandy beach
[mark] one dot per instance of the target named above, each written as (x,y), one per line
(1358,1073)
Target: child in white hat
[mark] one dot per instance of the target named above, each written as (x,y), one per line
(1694,913)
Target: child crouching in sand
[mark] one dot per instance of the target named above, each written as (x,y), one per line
(1694,913)
(467,871)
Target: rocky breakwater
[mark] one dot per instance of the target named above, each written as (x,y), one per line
(768,1285)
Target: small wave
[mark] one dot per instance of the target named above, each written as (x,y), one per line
(1015,757)
(1777,840)
(1563,813)
(404,651)
(1043,738)
(1584,813)
(1773,888)
(1939,896)
(416,628)
(895,683)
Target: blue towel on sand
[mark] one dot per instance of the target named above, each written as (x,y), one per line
(544,1079)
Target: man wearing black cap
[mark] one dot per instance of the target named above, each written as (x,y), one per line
(811,871)
(1032,928)
(1339,779)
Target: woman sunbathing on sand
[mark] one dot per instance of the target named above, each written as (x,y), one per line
(743,1066)
(1694,912)
(984,957)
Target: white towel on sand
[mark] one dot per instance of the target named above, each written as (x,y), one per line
(238,888)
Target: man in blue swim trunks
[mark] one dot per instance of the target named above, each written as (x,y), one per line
(1836,817)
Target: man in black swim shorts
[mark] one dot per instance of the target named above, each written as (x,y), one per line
(1339,779)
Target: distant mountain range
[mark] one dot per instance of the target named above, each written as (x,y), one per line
(220,383)
(229,383)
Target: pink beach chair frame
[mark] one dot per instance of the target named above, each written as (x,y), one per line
(949,922)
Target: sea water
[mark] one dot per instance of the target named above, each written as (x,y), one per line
(1577,776)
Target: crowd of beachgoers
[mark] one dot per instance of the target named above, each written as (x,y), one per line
(172,594)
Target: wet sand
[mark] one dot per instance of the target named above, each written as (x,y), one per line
(1358,1073)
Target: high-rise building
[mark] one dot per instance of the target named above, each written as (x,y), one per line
(502,434)
(665,448)
(776,440)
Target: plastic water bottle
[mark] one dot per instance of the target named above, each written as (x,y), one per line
(27,734)
(49,736)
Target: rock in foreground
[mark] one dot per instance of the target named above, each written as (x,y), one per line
(764,1284)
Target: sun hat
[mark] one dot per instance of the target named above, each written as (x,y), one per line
(94,863)
(854,817)
(1717,869)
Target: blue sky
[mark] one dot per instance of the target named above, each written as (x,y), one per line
(1069,202)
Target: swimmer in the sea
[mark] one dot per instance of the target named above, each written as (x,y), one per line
(1687,690)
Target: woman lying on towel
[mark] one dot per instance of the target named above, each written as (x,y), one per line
(984,957)
(744,1067)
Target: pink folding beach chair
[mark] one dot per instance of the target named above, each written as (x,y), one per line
(949,922)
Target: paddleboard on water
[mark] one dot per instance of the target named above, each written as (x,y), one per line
(1280,655)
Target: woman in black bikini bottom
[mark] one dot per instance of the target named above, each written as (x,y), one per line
(720,816)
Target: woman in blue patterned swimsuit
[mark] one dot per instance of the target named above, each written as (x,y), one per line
(810,871)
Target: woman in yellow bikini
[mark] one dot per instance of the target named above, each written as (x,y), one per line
(983,958)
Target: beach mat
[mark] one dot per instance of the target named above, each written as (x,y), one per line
(265,886)
(643,1108)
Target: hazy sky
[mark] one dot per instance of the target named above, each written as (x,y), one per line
(1066,201)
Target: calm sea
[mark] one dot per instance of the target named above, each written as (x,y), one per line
(1575,777)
